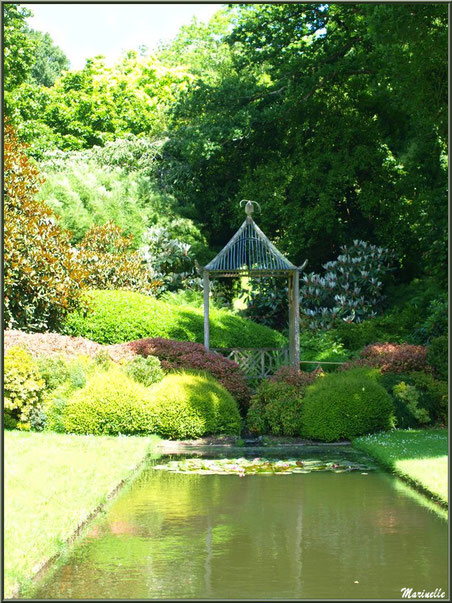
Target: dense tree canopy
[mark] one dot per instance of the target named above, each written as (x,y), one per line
(333,117)
(321,116)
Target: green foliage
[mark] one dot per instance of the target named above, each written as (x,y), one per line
(275,409)
(110,403)
(145,370)
(430,394)
(192,405)
(84,194)
(276,406)
(19,47)
(168,259)
(42,276)
(345,405)
(409,395)
(23,387)
(98,103)
(310,112)
(54,370)
(110,262)
(437,356)
(49,60)
(434,395)
(182,405)
(118,316)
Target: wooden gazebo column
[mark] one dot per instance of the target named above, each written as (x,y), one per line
(294,319)
(206,287)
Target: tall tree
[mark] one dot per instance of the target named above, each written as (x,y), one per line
(313,118)
(49,60)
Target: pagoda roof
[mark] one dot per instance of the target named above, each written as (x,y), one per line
(250,252)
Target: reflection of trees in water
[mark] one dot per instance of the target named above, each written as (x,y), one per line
(194,536)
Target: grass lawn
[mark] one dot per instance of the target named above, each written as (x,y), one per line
(418,455)
(52,484)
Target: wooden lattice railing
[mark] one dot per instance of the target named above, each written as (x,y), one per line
(260,363)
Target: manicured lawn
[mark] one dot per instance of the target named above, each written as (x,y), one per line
(52,483)
(417,455)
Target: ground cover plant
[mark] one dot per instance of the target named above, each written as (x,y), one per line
(119,316)
(67,477)
(420,456)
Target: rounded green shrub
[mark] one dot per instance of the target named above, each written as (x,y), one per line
(120,316)
(190,405)
(110,403)
(183,405)
(23,387)
(145,370)
(53,370)
(345,405)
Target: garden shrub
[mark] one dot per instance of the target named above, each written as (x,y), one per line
(190,405)
(181,406)
(146,370)
(177,355)
(110,261)
(394,358)
(344,405)
(437,356)
(53,370)
(120,316)
(276,407)
(43,278)
(23,387)
(409,395)
(51,344)
(432,397)
(110,403)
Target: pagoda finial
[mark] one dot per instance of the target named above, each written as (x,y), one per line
(249,207)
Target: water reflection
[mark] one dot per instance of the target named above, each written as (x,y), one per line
(318,535)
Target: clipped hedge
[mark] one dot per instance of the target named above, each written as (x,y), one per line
(190,405)
(183,405)
(119,316)
(344,405)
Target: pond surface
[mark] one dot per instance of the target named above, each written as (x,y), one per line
(301,536)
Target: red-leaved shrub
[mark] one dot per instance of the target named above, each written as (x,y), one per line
(188,355)
(292,376)
(392,358)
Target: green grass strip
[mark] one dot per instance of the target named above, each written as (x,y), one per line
(419,456)
(53,483)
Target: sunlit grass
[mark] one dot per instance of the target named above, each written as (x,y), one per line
(52,484)
(417,455)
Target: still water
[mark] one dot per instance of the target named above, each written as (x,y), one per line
(301,536)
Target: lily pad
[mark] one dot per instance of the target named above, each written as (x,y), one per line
(258,466)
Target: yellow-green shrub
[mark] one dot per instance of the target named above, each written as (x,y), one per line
(183,405)
(189,405)
(110,403)
(23,387)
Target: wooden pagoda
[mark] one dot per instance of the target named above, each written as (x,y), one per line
(251,253)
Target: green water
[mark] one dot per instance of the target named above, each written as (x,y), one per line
(301,536)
